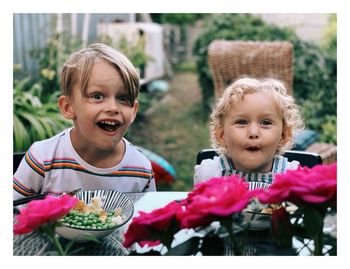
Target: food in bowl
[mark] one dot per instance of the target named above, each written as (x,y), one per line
(93,216)
(97,213)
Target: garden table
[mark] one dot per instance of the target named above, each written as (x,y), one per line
(262,243)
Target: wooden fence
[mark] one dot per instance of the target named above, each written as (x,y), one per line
(31,30)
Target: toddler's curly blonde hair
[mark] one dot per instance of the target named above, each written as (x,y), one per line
(292,121)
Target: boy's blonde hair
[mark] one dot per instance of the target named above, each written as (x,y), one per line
(292,121)
(78,68)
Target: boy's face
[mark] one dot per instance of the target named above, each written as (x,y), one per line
(102,117)
(252,131)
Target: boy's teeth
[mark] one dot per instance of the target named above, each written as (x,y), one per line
(108,122)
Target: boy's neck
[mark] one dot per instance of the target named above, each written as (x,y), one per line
(100,158)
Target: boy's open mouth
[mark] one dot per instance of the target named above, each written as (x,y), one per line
(109,126)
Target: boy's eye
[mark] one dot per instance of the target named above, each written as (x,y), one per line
(123,98)
(97,96)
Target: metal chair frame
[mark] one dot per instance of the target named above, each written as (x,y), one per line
(17,158)
(308,159)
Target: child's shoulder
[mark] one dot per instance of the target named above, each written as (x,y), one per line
(47,146)
(134,154)
(207,169)
(52,139)
(282,164)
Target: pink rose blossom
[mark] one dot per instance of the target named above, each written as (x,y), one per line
(39,212)
(214,199)
(147,228)
(316,185)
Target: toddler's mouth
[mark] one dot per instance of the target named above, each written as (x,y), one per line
(109,126)
(253,148)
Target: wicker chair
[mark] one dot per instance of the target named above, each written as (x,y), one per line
(229,60)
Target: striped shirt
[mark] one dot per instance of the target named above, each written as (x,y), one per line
(53,166)
(223,166)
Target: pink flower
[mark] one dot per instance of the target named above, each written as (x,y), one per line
(316,186)
(39,212)
(214,199)
(154,227)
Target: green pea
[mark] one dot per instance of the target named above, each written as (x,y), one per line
(110,225)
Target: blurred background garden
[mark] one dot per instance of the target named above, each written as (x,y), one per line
(177,91)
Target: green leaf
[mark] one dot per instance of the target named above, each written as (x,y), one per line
(189,247)
(48,125)
(212,245)
(21,136)
(21,86)
(36,127)
(313,221)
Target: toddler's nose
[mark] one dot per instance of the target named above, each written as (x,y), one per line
(253,132)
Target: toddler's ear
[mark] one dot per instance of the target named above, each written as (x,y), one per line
(66,108)
(219,134)
(286,136)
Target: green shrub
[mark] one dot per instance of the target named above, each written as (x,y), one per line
(330,36)
(329,130)
(315,83)
(51,58)
(177,18)
(36,113)
(186,66)
(32,119)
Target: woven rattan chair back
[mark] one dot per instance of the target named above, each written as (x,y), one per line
(230,60)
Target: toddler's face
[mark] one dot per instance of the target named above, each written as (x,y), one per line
(252,131)
(104,115)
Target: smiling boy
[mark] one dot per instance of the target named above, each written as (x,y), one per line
(99,94)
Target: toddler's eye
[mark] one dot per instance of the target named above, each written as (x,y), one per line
(241,122)
(266,122)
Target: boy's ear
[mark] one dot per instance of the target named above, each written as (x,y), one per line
(135,109)
(65,105)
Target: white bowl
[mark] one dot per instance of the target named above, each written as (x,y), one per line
(111,200)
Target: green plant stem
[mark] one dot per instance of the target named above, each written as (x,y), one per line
(318,239)
(228,226)
(57,244)
(50,229)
